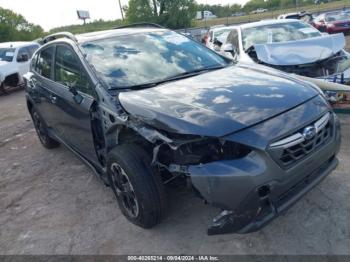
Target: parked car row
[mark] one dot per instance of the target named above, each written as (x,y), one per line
(334,22)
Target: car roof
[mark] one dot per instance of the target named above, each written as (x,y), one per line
(115,32)
(268,22)
(221,27)
(334,12)
(16,44)
(297,13)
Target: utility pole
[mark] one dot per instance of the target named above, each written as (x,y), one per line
(121,10)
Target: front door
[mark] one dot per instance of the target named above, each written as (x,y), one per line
(74,120)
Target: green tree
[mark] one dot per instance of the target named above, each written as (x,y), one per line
(170,13)
(14,27)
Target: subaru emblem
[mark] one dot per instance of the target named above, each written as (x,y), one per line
(309,132)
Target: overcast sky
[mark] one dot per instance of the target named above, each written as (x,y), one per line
(49,14)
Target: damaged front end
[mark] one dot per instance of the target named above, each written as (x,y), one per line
(333,69)
(326,59)
(220,151)
(242,179)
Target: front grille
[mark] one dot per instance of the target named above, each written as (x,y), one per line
(294,148)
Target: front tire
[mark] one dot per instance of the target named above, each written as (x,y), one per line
(41,131)
(137,187)
(3,89)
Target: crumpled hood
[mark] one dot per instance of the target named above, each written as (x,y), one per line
(219,102)
(293,52)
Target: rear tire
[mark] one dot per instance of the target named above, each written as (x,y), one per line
(137,187)
(41,131)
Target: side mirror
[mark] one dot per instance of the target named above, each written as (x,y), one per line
(76,96)
(217,42)
(23,58)
(229,48)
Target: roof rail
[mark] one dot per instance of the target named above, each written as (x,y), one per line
(151,25)
(55,36)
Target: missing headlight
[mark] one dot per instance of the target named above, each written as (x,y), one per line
(201,152)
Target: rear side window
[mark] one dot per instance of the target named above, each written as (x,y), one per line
(69,71)
(44,65)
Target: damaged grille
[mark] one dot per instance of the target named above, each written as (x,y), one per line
(308,139)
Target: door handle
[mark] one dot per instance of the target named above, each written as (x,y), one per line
(53,99)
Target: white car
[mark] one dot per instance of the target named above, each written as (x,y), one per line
(14,63)
(213,34)
(291,46)
(259,11)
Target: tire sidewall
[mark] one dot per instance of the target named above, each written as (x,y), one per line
(141,178)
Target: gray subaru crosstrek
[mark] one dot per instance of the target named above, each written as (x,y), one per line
(145,107)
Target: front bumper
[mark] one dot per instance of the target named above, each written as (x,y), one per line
(254,190)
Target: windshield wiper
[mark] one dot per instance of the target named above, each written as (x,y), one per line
(172,78)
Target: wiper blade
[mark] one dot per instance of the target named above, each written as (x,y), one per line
(194,72)
(172,78)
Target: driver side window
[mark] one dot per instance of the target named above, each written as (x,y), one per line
(69,71)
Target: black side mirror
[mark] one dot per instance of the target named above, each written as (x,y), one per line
(76,96)
(229,48)
(73,90)
(217,42)
(23,58)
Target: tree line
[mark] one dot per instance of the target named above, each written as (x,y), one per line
(173,14)
(15,27)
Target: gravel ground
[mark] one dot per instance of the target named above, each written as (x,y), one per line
(51,203)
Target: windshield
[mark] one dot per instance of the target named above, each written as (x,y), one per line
(337,17)
(131,60)
(274,33)
(6,54)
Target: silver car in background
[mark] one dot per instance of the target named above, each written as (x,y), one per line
(291,46)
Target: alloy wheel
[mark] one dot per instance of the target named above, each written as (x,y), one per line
(125,190)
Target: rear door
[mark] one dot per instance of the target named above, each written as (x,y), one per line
(74,121)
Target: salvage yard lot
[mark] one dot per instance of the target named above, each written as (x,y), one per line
(51,203)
